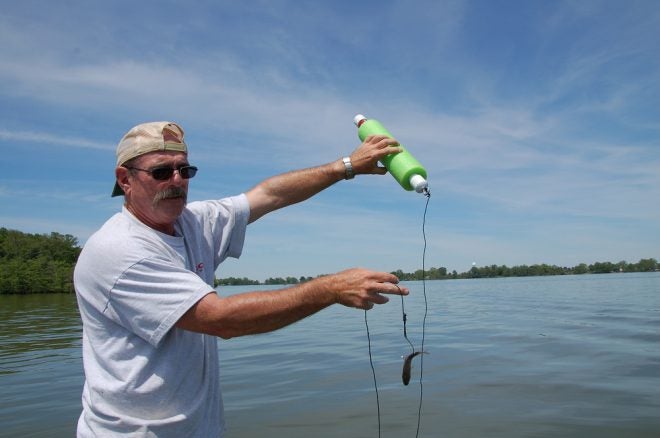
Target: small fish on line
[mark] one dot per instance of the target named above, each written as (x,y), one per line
(407,365)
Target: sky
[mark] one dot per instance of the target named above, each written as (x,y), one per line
(538,122)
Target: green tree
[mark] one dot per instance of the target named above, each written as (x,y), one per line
(602,268)
(36,263)
(582,268)
(647,265)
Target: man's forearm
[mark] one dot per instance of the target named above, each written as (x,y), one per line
(257,312)
(292,187)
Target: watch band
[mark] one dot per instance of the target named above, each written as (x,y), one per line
(349,168)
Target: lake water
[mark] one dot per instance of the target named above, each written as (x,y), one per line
(573,356)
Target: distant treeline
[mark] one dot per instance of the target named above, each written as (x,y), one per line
(644,265)
(233,281)
(36,263)
(492,271)
(43,263)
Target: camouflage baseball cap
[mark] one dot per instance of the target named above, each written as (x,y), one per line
(148,137)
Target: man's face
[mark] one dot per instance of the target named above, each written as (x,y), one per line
(155,203)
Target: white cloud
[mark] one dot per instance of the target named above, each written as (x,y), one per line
(50,138)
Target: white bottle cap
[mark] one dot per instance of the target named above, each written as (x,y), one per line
(358,118)
(418,183)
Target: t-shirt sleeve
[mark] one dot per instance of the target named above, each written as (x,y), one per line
(152,295)
(224,221)
(233,246)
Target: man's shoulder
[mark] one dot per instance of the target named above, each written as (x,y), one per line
(119,226)
(118,237)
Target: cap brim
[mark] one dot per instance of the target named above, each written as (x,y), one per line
(117,191)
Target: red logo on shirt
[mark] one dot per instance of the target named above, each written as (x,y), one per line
(200,267)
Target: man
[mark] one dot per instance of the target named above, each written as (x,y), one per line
(144,284)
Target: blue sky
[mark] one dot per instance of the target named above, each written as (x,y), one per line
(537,121)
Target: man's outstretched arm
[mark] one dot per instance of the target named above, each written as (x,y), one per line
(264,311)
(298,185)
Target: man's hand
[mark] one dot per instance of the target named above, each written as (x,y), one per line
(375,147)
(363,288)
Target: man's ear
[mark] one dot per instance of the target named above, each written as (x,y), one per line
(122,178)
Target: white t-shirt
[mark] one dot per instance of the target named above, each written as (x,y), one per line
(143,376)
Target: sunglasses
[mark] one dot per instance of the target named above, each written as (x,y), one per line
(164,173)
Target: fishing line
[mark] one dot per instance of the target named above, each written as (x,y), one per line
(373,370)
(405,320)
(427,193)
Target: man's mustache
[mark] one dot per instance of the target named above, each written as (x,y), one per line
(171,193)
